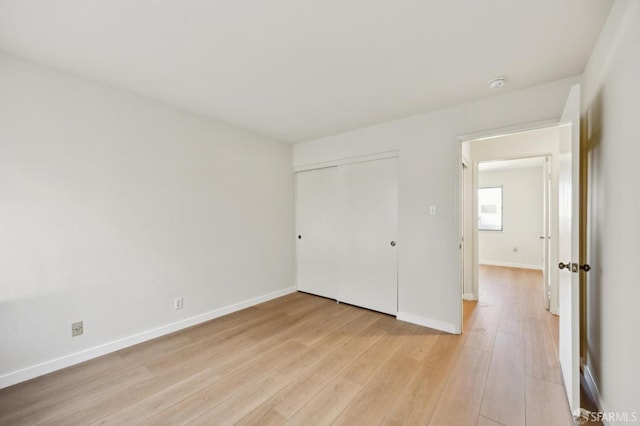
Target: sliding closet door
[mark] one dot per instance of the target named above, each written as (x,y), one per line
(368,212)
(316,231)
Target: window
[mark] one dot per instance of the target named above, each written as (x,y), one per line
(490,209)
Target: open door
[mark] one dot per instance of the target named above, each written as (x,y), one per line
(569,247)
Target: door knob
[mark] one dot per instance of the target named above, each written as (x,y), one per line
(566,266)
(585,267)
(393,243)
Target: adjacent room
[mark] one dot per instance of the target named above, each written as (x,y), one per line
(232,212)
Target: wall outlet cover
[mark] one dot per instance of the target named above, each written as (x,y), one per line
(77,328)
(178,303)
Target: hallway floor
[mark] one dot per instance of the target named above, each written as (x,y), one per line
(515,340)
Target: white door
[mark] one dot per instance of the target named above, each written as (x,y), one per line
(367,266)
(316,231)
(568,247)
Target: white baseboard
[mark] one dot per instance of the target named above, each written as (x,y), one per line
(68,360)
(510,264)
(428,322)
(469,296)
(592,388)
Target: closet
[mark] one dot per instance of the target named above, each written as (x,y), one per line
(347,220)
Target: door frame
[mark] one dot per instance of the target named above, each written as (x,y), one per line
(553,231)
(466,237)
(546,213)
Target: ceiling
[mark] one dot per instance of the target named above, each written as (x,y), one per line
(297,70)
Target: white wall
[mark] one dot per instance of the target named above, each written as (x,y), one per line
(522,219)
(428,278)
(611,107)
(111,205)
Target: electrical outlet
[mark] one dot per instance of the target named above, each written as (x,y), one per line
(77,329)
(433,210)
(178,303)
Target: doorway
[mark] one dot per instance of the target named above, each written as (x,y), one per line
(521,166)
(553,141)
(512,208)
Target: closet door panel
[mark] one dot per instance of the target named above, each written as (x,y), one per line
(316,231)
(368,226)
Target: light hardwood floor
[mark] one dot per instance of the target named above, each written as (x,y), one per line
(302,360)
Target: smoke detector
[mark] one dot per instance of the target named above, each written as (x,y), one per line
(497,82)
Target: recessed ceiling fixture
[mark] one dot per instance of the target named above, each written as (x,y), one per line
(497,82)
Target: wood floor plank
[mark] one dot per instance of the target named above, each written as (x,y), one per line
(238,338)
(328,343)
(553,321)
(266,339)
(483,421)
(504,399)
(198,403)
(417,402)
(546,403)
(541,358)
(467,379)
(483,331)
(297,368)
(324,407)
(420,343)
(469,314)
(306,384)
(293,305)
(160,400)
(304,307)
(230,327)
(530,281)
(245,401)
(311,335)
(116,400)
(203,354)
(17,397)
(149,351)
(367,365)
(379,394)
(54,405)
(264,415)
(512,318)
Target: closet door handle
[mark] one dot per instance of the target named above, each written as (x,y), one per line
(393,243)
